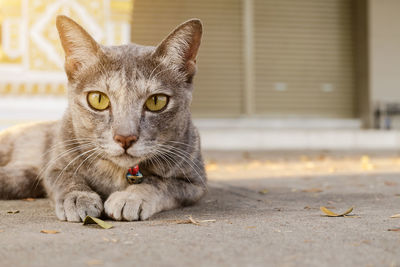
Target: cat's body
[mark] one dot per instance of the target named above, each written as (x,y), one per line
(82,160)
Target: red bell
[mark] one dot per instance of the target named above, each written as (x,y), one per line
(134,170)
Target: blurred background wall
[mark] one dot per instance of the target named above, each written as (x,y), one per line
(260,59)
(297,61)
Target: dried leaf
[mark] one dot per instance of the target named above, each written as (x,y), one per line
(93,220)
(206,221)
(29,199)
(394,229)
(49,231)
(13,211)
(263,192)
(313,190)
(395,216)
(193,221)
(190,220)
(1,230)
(179,221)
(330,213)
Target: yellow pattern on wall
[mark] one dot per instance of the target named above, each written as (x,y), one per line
(31,57)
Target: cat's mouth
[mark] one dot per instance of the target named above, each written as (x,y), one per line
(125,160)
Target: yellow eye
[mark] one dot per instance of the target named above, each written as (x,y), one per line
(156,102)
(98,100)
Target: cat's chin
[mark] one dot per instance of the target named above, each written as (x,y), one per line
(125,160)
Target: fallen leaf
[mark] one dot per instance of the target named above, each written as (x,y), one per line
(250,227)
(93,220)
(13,211)
(94,262)
(29,199)
(1,230)
(395,216)
(388,183)
(49,231)
(312,190)
(193,221)
(394,229)
(330,213)
(190,220)
(263,192)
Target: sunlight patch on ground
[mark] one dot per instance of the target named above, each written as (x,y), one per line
(303,166)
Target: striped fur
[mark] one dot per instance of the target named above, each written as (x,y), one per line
(76,162)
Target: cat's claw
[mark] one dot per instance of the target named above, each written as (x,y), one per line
(130,206)
(76,205)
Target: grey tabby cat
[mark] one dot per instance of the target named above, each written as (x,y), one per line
(127,105)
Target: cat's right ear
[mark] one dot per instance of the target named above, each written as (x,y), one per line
(81,50)
(180,48)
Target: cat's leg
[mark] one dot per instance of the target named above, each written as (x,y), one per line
(139,202)
(18,182)
(73,198)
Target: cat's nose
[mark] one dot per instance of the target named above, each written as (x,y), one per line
(125,141)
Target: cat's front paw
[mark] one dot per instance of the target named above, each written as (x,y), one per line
(76,205)
(131,206)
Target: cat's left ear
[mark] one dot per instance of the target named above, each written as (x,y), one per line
(179,49)
(81,50)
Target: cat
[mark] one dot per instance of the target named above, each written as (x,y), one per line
(128,105)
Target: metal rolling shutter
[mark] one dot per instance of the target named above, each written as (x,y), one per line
(218,83)
(304,58)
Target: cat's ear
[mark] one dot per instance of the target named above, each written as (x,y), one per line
(179,49)
(81,50)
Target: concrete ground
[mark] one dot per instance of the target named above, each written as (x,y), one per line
(264,220)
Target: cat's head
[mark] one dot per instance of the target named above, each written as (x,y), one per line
(130,100)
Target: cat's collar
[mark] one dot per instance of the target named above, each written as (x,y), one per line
(134,176)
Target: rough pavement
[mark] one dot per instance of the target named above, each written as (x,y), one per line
(282,226)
